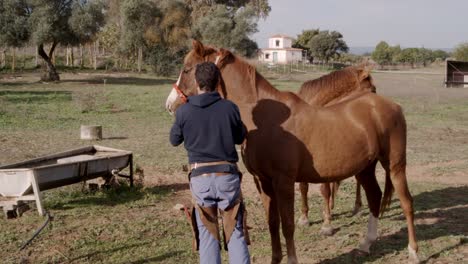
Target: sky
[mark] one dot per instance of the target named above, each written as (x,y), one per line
(363,23)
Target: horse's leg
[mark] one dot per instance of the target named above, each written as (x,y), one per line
(358,201)
(272,214)
(368,181)
(334,190)
(285,193)
(326,228)
(398,178)
(304,219)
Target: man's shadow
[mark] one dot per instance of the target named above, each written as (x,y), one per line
(275,147)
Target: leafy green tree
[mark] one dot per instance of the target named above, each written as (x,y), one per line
(382,54)
(326,45)
(228,29)
(202,8)
(50,22)
(440,54)
(14,24)
(168,41)
(461,52)
(302,42)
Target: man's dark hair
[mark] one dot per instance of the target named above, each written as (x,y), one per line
(207,75)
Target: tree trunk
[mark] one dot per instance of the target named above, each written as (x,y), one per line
(90,52)
(140,58)
(3,61)
(81,56)
(95,51)
(51,73)
(72,57)
(37,56)
(13,62)
(67,56)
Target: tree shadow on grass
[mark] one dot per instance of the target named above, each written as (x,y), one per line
(111,197)
(121,80)
(448,210)
(105,252)
(118,195)
(36,96)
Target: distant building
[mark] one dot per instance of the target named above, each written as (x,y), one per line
(280,50)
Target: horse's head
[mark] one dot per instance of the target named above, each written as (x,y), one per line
(186,85)
(366,81)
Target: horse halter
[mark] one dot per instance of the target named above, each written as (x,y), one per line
(181,94)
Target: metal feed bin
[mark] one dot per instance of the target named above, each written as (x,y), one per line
(24,181)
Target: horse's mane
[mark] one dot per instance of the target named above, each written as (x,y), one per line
(334,85)
(263,87)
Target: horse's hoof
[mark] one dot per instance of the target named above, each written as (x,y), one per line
(413,256)
(303,221)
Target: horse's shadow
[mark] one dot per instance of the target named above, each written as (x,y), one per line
(445,210)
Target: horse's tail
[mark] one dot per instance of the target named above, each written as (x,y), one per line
(388,192)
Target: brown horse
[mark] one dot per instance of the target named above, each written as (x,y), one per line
(328,90)
(291,141)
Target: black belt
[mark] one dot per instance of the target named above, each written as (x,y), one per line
(222,169)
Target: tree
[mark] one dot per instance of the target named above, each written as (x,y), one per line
(302,42)
(228,29)
(204,7)
(169,40)
(440,54)
(382,54)
(326,45)
(461,52)
(54,22)
(50,22)
(14,24)
(137,18)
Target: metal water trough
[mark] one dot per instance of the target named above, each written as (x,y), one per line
(24,181)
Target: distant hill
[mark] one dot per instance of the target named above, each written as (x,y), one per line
(364,50)
(361,50)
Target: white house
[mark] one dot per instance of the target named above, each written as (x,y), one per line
(280,50)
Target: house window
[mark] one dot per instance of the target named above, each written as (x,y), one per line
(277,43)
(267,56)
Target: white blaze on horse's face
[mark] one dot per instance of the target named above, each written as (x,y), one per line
(172,97)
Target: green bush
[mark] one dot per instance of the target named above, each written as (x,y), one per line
(164,62)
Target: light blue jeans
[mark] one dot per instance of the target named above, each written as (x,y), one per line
(221,192)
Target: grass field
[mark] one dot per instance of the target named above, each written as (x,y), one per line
(139,225)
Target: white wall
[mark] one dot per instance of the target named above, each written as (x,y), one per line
(284,56)
(283,43)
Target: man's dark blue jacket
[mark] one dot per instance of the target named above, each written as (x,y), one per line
(210,127)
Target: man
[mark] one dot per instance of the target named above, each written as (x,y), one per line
(210,127)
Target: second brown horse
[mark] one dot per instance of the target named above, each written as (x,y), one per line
(325,91)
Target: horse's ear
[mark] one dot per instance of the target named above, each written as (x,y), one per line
(225,57)
(198,47)
(363,72)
